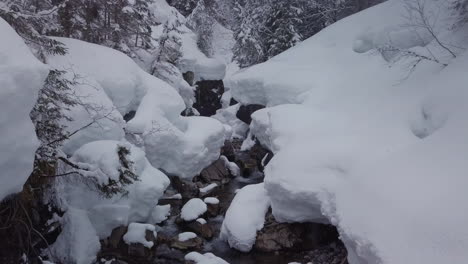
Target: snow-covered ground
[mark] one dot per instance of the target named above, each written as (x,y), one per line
(368,142)
(21,77)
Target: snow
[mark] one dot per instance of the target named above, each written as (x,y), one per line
(78,242)
(186,236)
(211,200)
(176,196)
(208,188)
(102,160)
(160,213)
(378,151)
(201,221)
(207,258)
(227,116)
(232,166)
(195,61)
(122,80)
(21,77)
(245,216)
(136,234)
(193,209)
(182,146)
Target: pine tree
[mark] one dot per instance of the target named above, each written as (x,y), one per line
(249,48)
(201,21)
(282,27)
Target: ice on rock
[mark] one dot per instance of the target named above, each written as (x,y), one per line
(207,258)
(186,236)
(358,147)
(136,234)
(245,216)
(21,77)
(193,209)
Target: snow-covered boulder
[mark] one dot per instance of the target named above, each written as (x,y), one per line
(378,151)
(193,209)
(245,216)
(103,164)
(207,258)
(182,146)
(21,77)
(137,234)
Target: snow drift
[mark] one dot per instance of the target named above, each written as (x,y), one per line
(115,85)
(378,151)
(21,77)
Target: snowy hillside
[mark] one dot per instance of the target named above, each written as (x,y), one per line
(373,142)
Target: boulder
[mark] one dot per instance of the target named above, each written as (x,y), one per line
(276,236)
(203,230)
(215,173)
(139,250)
(116,238)
(193,244)
(245,112)
(187,189)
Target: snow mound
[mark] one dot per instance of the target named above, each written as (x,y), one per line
(102,161)
(207,258)
(136,234)
(182,146)
(21,77)
(363,145)
(122,80)
(211,200)
(193,209)
(115,84)
(245,216)
(78,242)
(186,236)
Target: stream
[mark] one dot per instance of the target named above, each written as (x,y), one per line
(331,253)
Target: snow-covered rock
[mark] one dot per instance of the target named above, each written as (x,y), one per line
(21,77)
(378,151)
(186,236)
(245,216)
(211,200)
(207,258)
(102,161)
(193,209)
(136,234)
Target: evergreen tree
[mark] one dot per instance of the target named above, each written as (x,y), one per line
(282,27)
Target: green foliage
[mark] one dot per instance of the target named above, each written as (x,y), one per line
(126,176)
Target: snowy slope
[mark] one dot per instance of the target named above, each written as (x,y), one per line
(21,77)
(366,143)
